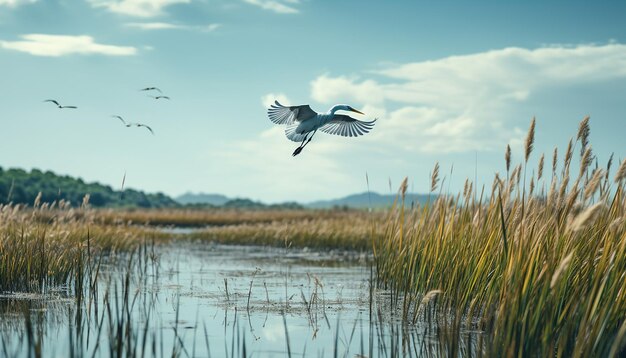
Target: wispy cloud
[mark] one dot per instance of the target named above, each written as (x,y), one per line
(269,99)
(281,7)
(62,45)
(285,177)
(170,26)
(15,3)
(138,8)
(464,103)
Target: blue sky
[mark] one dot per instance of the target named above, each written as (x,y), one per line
(450,82)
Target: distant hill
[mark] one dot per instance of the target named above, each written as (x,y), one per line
(20,186)
(201,198)
(363,200)
(357,201)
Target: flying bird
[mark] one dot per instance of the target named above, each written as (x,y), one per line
(303,122)
(160,97)
(140,125)
(58,105)
(151,89)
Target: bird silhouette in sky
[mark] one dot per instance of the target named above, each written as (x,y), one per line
(58,105)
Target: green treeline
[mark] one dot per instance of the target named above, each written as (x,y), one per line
(20,186)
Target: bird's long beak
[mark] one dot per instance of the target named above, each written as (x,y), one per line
(357,111)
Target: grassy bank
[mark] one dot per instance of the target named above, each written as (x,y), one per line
(52,245)
(351,230)
(538,261)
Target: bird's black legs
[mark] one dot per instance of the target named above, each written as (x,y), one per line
(303,144)
(300,147)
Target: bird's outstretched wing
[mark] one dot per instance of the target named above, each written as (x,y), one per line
(53,101)
(280,114)
(72,107)
(151,89)
(147,127)
(347,126)
(120,118)
(290,132)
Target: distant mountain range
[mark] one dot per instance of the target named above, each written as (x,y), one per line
(366,200)
(362,200)
(202,198)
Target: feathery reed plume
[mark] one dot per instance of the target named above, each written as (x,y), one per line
(593,183)
(621,172)
(608,166)
(519,174)
(587,217)
(532,185)
(555,157)
(562,267)
(568,156)
(571,198)
(85,203)
(434,179)
(585,161)
(583,134)
(37,200)
(530,139)
(403,186)
(430,295)
(507,159)
(467,188)
(540,168)
(563,189)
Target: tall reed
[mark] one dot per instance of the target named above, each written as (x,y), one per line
(543,274)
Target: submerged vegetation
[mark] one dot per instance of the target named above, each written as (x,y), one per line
(540,267)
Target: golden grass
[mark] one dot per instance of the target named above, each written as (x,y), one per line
(351,230)
(51,245)
(208,217)
(543,274)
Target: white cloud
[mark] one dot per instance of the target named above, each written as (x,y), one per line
(281,7)
(268,160)
(154,25)
(138,8)
(61,45)
(269,99)
(466,103)
(15,3)
(170,26)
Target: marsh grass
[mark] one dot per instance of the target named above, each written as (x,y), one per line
(542,274)
(344,230)
(46,246)
(213,217)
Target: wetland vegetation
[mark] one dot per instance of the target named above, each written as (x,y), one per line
(534,265)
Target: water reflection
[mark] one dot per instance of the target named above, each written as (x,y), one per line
(222,301)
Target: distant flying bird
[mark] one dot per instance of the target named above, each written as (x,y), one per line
(160,97)
(140,125)
(303,122)
(58,105)
(151,89)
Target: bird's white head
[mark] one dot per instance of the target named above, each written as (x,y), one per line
(343,107)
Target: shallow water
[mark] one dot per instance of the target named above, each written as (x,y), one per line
(199,299)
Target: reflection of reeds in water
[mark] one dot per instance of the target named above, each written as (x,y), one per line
(542,274)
